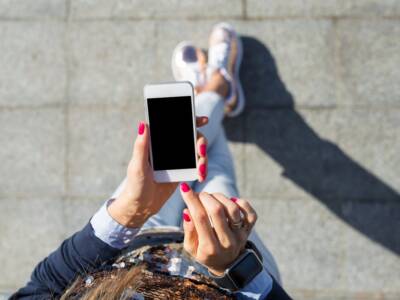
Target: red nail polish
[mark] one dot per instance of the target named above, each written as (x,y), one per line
(186,217)
(203,149)
(184,187)
(203,169)
(141,128)
(234,199)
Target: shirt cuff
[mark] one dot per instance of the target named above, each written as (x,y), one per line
(110,231)
(258,288)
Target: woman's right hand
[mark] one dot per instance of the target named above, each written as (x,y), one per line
(211,235)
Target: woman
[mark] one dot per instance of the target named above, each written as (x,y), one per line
(115,257)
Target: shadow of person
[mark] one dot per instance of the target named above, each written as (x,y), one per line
(316,165)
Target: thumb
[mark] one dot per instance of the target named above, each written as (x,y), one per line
(190,242)
(140,154)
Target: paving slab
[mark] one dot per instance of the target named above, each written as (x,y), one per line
(305,238)
(341,295)
(364,256)
(108,63)
(326,8)
(100,147)
(78,211)
(304,60)
(329,154)
(284,154)
(235,131)
(368,50)
(38,9)
(288,63)
(321,256)
(33,63)
(81,9)
(32,152)
(370,137)
(23,244)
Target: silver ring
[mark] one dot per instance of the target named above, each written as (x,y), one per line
(237,225)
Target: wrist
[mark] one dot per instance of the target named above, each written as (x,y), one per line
(126,213)
(216,272)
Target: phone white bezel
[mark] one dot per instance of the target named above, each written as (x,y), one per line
(165,90)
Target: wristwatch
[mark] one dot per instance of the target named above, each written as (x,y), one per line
(243,270)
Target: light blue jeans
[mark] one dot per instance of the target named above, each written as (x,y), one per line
(220,176)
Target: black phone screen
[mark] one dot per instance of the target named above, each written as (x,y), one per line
(171,133)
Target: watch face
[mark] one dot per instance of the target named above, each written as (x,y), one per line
(245,270)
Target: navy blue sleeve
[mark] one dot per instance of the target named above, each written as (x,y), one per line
(78,255)
(277,292)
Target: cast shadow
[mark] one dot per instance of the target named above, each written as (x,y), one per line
(316,165)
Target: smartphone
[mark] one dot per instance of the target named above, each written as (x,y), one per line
(170,113)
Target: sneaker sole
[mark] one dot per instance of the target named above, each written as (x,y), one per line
(240,94)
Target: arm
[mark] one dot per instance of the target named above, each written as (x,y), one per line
(78,255)
(277,292)
(111,229)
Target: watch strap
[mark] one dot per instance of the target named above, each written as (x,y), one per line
(225,281)
(250,245)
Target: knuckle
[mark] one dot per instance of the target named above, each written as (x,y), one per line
(244,202)
(234,211)
(211,250)
(252,218)
(202,217)
(202,195)
(219,195)
(217,210)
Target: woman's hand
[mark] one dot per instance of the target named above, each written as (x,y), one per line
(216,228)
(142,197)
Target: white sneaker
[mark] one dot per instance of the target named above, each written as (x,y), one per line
(225,54)
(189,64)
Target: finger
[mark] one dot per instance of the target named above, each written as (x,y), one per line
(201,145)
(201,121)
(202,170)
(190,242)
(198,215)
(198,89)
(248,211)
(140,154)
(232,210)
(203,159)
(216,211)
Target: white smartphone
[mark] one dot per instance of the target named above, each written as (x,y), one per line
(170,113)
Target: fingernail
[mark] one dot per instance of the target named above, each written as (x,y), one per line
(203,149)
(203,169)
(141,128)
(186,217)
(234,199)
(184,187)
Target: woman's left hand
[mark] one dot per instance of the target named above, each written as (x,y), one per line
(141,196)
(216,228)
